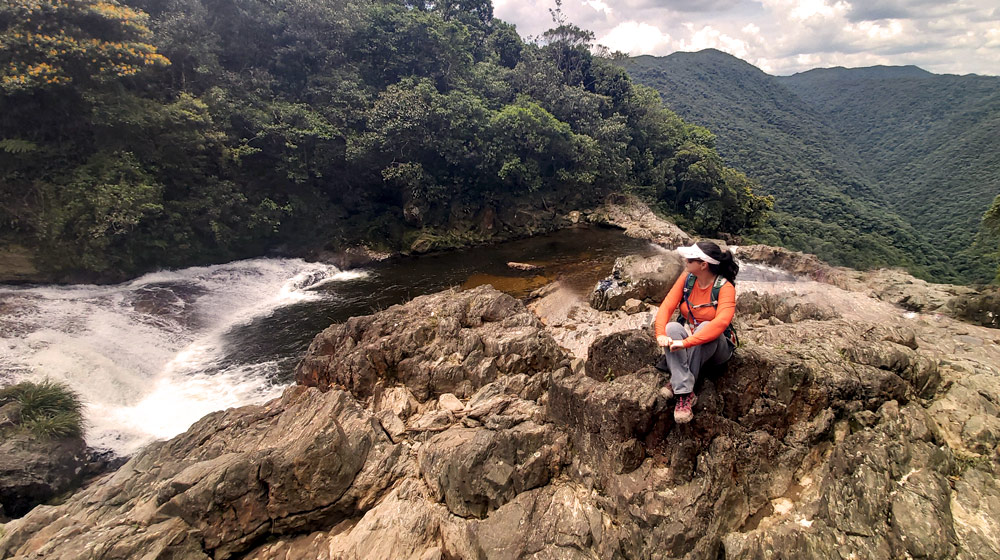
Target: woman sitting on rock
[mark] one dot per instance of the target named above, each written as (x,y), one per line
(701,335)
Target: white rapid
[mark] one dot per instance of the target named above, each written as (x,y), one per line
(149,357)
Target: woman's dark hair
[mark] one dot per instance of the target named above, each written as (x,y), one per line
(727,267)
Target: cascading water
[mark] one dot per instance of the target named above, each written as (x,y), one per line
(151,356)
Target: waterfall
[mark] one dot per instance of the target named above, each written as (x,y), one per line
(149,357)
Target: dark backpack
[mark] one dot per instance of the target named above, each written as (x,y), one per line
(730,331)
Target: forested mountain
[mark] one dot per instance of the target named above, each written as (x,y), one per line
(868,167)
(929,143)
(171,133)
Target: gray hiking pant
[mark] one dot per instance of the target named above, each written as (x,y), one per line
(685,364)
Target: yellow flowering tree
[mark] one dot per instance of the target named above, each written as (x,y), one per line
(46,43)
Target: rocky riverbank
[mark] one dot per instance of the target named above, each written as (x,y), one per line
(466,424)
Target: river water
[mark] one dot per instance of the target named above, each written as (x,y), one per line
(151,356)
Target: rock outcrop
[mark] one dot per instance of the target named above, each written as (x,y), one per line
(979,306)
(453,342)
(33,470)
(638,221)
(634,277)
(455,426)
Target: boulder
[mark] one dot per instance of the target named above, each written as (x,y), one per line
(473,471)
(621,353)
(975,506)
(450,403)
(981,308)
(912,294)
(632,215)
(560,520)
(634,277)
(973,397)
(34,470)
(884,494)
(299,463)
(633,306)
(450,342)
(608,421)
(10,415)
(523,266)
(397,400)
(752,305)
(981,433)
(795,262)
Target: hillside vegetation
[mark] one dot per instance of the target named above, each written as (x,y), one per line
(868,167)
(929,144)
(167,134)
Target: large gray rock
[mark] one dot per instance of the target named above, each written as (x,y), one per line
(303,462)
(981,308)
(633,277)
(632,215)
(968,410)
(765,306)
(608,421)
(34,470)
(622,353)
(559,521)
(450,342)
(975,506)
(884,494)
(476,470)
(798,263)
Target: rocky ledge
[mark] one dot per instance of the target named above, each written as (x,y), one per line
(456,426)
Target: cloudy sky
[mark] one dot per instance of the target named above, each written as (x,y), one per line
(786,36)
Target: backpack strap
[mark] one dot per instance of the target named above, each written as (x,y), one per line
(720,281)
(688,286)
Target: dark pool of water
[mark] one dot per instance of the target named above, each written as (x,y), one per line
(578,256)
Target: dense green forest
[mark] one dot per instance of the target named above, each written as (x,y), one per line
(988,238)
(868,167)
(149,134)
(928,143)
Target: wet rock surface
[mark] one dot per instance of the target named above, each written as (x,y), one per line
(455,426)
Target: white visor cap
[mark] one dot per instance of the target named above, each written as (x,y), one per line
(695,252)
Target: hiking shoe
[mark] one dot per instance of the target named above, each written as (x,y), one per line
(682,410)
(667,392)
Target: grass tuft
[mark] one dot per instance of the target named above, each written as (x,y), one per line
(48,409)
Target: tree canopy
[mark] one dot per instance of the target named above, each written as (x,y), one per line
(174,133)
(56,42)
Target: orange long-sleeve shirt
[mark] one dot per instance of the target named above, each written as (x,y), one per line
(718,318)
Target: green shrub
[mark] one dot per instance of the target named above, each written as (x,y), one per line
(48,409)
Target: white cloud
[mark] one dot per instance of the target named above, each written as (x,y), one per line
(635,38)
(992,38)
(599,6)
(707,37)
(802,10)
(786,36)
(880,31)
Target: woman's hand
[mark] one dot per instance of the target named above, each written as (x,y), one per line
(663,340)
(676,345)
